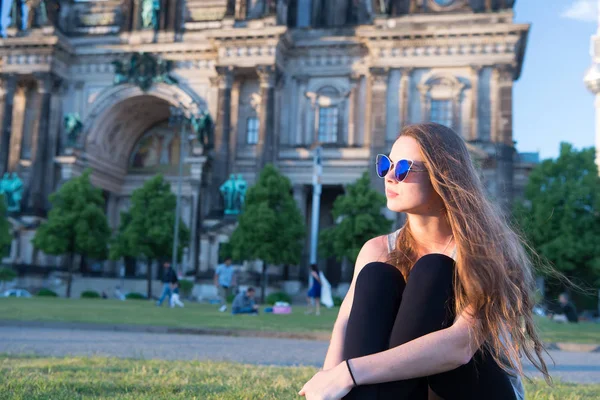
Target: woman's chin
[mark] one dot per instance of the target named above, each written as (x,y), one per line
(396,206)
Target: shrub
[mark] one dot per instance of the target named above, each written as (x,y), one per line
(278,296)
(337,301)
(186,287)
(46,293)
(135,296)
(7,274)
(90,294)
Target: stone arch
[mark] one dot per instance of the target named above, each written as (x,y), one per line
(120,116)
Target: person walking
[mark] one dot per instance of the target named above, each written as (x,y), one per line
(169,277)
(314,292)
(224,281)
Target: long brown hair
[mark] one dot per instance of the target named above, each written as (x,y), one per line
(494,271)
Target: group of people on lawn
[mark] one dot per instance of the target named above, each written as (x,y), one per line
(243,302)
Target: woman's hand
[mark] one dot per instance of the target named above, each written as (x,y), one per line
(332,384)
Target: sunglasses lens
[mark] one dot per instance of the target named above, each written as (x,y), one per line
(382,165)
(402,169)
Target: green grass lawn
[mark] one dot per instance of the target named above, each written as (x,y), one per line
(195,315)
(142,312)
(110,378)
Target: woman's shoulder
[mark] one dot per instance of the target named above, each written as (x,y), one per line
(375,249)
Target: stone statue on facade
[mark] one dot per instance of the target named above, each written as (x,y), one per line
(151,14)
(73,127)
(227,189)
(203,127)
(234,194)
(240,192)
(143,70)
(11,186)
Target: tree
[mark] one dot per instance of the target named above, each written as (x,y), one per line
(560,214)
(359,218)
(6,275)
(271,228)
(146,230)
(5,236)
(76,224)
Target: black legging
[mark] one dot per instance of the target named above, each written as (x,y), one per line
(388,312)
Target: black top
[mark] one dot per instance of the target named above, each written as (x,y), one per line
(570,311)
(170,276)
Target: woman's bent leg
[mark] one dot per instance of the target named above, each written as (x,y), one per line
(377,296)
(426,307)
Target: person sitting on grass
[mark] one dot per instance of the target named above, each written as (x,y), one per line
(244,303)
(569,312)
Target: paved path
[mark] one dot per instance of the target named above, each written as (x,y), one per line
(574,367)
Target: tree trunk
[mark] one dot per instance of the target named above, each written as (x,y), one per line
(70,274)
(149,275)
(263,283)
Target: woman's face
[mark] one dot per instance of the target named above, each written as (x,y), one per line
(414,195)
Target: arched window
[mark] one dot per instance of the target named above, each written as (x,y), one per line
(329,110)
(440,100)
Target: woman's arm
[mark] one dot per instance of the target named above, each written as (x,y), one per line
(316,276)
(373,250)
(431,354)
(434,353)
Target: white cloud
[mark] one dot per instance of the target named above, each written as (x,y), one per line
(582,10)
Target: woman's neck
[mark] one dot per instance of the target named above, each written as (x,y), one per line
(431,233)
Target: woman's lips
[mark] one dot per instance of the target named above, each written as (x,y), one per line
(389,194)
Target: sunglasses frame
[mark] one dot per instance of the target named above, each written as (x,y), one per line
(393,166)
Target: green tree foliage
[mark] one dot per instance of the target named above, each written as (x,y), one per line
(6,275)
(560,214)
(359,217)
(5,236)
(146,230)
(271,228)
(76,223)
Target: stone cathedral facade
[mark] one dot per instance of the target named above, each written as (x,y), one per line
(277,76)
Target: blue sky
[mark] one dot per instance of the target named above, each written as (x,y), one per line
(551,102)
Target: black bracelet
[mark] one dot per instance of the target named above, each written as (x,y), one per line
(351,375)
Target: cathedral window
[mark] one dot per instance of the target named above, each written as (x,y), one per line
(252,127)
(328,124)
(441,112)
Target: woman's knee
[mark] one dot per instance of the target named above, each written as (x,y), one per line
(380,273)
(433,267)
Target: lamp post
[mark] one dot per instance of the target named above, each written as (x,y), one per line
(316,202)
(178,116)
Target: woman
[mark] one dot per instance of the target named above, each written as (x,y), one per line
(442,307)
(314,293)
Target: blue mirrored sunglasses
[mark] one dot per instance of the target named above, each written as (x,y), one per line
(401,170)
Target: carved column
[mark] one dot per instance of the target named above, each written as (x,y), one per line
(37,202)
(352,110)
(221,167)
(173,11)
(17,127)
(241,9)
(379,79)
(265,148)
(7,95)
(301,110)
(404,99)
(504,145)
(475,70)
